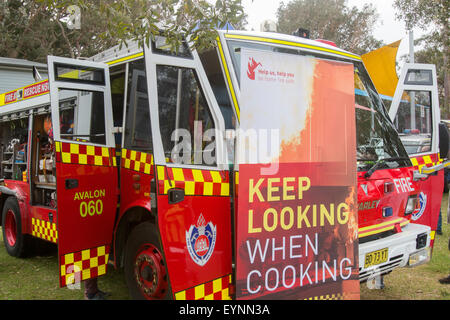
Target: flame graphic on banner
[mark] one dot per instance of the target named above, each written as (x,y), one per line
(352,221)
(252,65)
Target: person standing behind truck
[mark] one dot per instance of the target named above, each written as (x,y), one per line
(444,142)
(447,279)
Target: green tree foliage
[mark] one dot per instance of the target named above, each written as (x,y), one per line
(432,16)
(196,20)
(349,27)
(33,29)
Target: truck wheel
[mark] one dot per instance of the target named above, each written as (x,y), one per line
(16,243)
(145,268)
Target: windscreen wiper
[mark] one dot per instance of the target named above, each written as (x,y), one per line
(380,162)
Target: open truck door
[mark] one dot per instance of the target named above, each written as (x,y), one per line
(192,179)
(86,168)
(416,115)
(297,193)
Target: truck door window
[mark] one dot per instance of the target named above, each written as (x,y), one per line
(211,64)
(414,121)
(82,116)
(160,46)
(184,117)
(375,135)
(137,127)
(79,74)
(117,81)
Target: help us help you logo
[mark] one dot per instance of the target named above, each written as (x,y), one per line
(256,71)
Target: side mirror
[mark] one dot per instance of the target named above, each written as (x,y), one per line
(417,176)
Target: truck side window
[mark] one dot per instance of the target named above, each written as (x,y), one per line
(414,121)
(82,116)
(184,117)
(137,126)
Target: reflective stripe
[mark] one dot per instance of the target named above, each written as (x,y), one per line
(426,161)
(230,84)
(194,181)
(73,153)
(84,264)
(380,225)
(137,55)
(137,161)
(377,228)
(432,234)
(333,296)
(292,44)
(44,230)
(218,289)
(26,92)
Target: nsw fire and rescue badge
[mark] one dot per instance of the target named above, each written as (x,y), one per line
(200,240)
(422,205)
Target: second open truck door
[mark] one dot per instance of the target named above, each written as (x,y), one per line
(416,115)
(86,168)
(192,178)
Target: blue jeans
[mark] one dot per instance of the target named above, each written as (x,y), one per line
(439,225)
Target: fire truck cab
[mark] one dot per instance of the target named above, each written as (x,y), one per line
(114,160)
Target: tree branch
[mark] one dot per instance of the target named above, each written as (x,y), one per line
(66,39)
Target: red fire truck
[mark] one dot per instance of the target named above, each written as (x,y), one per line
(88,163)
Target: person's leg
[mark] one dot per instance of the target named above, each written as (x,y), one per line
(448,208)
(439,224)
(445,280)
(92,292)
(90,288)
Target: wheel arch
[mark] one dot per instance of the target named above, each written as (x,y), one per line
(5,193)
(19,192)
(132,217)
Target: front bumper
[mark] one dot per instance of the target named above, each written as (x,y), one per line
(401,247)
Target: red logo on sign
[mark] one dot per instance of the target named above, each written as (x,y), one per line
(252,65)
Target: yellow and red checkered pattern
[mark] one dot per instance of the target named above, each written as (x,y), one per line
(333,296)
(426,160)
(44,229)
(218,289)
(137,161)
(194,181)
(74,153)
(82,265)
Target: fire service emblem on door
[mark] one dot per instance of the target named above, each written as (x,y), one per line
(200,240)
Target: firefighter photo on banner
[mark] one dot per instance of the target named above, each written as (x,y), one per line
(297,207)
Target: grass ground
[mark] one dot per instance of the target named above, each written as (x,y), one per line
(37,277)
(419,283)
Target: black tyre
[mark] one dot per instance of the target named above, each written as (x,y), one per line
(145,269)
(16,243)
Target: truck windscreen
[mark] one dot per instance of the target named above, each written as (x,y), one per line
(376,137)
